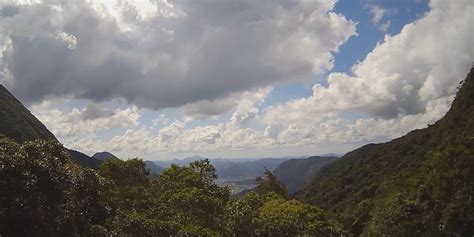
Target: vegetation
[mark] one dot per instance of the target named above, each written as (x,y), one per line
(45,194)
(421,184)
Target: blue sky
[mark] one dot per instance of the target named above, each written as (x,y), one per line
(163,80)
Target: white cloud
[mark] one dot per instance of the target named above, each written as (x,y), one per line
(81,122)
(377,12)
(406,82)
(384,27)
(171,55)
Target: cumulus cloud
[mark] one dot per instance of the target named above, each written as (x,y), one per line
(179,52)
(70,123)
(425,61)
(206,109)
(223,60)
(408,75)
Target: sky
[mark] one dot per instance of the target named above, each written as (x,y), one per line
(164,79)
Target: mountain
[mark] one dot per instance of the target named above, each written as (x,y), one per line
(17,122)
(84,160)
(180,162)
(294,172)
(247,168)
(421,184)
(153,168)
(103,156)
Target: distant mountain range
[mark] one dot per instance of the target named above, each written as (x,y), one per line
(232,167)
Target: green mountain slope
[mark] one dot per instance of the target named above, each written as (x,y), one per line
(421,184)
(103,156)
(294,172)
(17,122)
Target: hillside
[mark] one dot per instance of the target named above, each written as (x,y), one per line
(294,172)
(421,184)
(84,160)
(103,156)
(17,122)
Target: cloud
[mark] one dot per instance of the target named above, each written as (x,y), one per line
(177,53)
(69,123)
(378,14)
(404,79)
(384,27)
(187,56)
(206,109)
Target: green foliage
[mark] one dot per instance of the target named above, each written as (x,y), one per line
(421,184)
(273,215)
(43,193)
(191,199)
(269,183)
(281,217)
(240,215)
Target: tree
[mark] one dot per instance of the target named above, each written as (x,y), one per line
(132,201)
(191,199)
(281,217)
(241,212)
(269,183)
(43,193)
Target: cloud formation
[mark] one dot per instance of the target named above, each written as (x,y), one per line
(183,53)
(218,62)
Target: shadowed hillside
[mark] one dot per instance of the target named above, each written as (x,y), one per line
(17,122)
(294,172)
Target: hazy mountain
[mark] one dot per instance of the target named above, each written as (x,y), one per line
(330,155)
(103,156)
(17,122)
(180,162)
(294,172)
(153,168)
(421,182)
(247,168)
